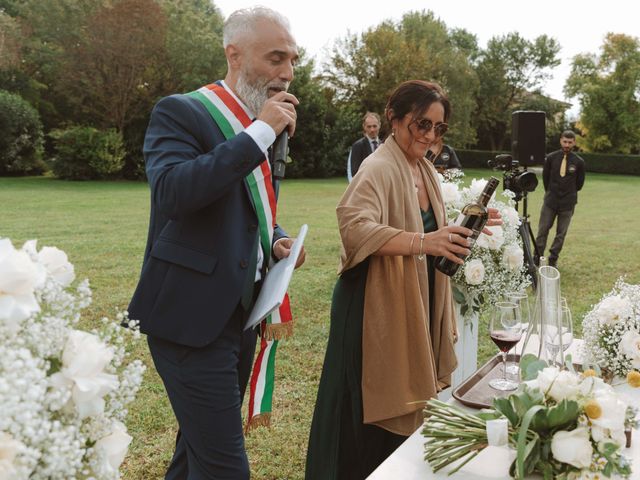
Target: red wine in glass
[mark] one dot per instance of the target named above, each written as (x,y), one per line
(505,339)
(505,329)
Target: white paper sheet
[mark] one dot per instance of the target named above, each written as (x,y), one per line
(276,283)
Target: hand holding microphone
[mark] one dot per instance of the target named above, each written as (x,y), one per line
(279,113)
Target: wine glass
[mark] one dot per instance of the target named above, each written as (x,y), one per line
(558,337)
(505,330)
(521,299)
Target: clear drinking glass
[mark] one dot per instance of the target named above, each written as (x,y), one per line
(505,330)
(521,299)
(558,338)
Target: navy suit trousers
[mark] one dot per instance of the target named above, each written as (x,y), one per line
(206,386)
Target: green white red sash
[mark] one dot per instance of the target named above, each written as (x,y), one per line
(232,119)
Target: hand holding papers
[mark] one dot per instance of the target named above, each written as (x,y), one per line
(276,283)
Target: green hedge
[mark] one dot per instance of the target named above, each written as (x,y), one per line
(21,137)
(610,163)
(85,153)
(595,162)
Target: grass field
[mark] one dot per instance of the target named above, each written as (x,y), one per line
(103,226)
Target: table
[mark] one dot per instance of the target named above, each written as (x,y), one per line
(407,463)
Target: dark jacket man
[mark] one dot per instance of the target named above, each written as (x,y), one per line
(365,146)
(563,176)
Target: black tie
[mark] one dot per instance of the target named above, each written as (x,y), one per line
(375,145)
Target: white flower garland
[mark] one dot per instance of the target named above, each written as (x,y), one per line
(63,391)
(496,263)
(611,330)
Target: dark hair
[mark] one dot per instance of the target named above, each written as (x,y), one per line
(568,134)
(415,97)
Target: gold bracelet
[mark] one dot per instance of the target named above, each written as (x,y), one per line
(413,237)
(421,255)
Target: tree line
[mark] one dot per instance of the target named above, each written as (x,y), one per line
(88,72)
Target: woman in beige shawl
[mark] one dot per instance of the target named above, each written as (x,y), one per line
(392,316)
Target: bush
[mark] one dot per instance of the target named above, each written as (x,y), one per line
(610,163)
(85,153)
(21,137)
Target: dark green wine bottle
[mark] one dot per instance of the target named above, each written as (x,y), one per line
(474,217)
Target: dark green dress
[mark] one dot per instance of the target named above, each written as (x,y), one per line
(341,446)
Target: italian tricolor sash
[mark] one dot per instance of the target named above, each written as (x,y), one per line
(232,119)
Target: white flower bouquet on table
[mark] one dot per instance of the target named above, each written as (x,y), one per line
(496,262)
(611,331)
(563,425)
(63,391)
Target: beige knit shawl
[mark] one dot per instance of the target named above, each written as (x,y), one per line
(407,356)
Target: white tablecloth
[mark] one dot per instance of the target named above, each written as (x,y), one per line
(407,462)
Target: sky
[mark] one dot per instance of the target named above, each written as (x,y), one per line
(579,27)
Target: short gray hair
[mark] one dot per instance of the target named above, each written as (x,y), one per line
(242,22)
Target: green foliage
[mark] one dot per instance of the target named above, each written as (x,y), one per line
(10,41)
(195,56)
(508,69)
(85,153)
(607,87)
(364,69)
(321,142)
(20,137)
(530,366)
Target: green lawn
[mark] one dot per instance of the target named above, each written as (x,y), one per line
(103,226)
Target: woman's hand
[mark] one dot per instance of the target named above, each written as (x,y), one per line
(447,242)
(494,219)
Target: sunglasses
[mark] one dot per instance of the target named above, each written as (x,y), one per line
(425,125)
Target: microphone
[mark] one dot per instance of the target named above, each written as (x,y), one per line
(280,150)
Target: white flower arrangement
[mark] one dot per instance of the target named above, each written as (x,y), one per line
(563,425)
(496,262)
(63,391)
(611,330)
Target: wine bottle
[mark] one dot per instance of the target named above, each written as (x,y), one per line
(474,216)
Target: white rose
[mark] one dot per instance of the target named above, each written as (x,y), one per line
(495,241)
(513,257)
(474,272)
(546,376)
(558,385)
(9,448)
(84,359)
(57,265)
(573,448)
(19,277)
(613,309)
(510,215)
(591,385)
(630,346)
(113,448)
(450,193)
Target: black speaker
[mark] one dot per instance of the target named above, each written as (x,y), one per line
(527,137)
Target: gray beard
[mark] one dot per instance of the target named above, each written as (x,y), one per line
(253,96)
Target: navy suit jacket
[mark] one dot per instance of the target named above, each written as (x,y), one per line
(360,150)
(203,225)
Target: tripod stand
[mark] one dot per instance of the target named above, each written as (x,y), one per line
(526,234)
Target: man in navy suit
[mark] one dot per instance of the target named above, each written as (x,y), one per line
(364,147)
(203,255)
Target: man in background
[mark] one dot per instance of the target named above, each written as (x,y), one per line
(364,147)
(563,176)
